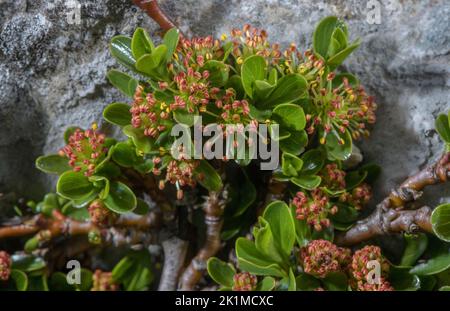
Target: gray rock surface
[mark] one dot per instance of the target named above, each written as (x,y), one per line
(52,72)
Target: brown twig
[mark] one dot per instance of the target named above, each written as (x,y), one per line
(411,188)
(390,217)
(213,208)
(61,225)
(153,10)
(386,221)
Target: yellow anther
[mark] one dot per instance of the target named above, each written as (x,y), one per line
(94,126)
(167,109)
(240,60)
(223,37)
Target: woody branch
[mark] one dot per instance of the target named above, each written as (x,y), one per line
(390,217)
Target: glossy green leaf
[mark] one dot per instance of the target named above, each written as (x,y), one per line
(118,114)
(402,280)
(142,142)
(121,81)
(290,164)
(242,196)
(149,62)
(440,221)
(74,185)
(53,164)
(121,49)
(308,182)
(292,285)
(170,40)
(124,154)
(261,90)
(266,284)
(27,263)
(278,216)
(336,150)
(122,268)
(141,43)
(253,68)
(120,199)
(288,89)
(322,35)
(290,116)
(265,242)
(354,178)
(295,143)
(252,261)
(442,125)
(20,279)
(416,244)
(302,230)
(209,179)
(432,266)
(337,59)
(313,161)
(221,272)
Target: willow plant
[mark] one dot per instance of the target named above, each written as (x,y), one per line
(226,223)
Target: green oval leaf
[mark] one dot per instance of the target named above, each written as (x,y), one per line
(313,161)
(142,142)
(308,182)
(27,263)
(170,40)
(290,164)
(268,283)
(149,62)
(295,143)
(20,279)
(124,154)
(279,217)
(416,244)
(442,125)
(252,261)
(253,68)
(221,272)
(74,185)
(120,199)
(53,164)
(141,43)
(210,178)
(440,221)
(288,89)
(336,150)
(339,58)
(290,116)
(432,266)
(322,35)
(121,49)
(122,82)
(118,114)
